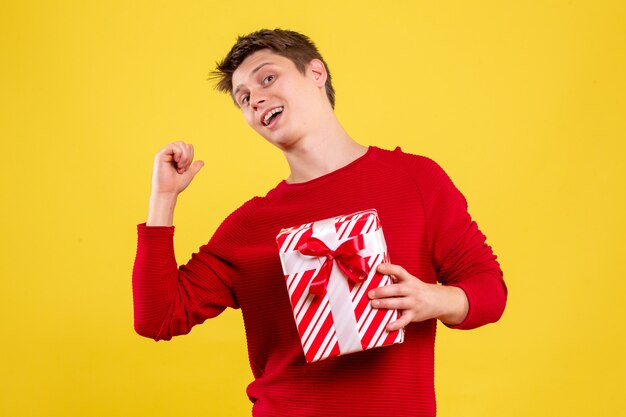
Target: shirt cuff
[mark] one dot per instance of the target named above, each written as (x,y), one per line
(165,231)
(486,294)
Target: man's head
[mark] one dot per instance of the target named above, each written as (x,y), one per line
(292,45)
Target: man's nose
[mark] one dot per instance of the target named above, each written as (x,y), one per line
(257,98)
(257,103)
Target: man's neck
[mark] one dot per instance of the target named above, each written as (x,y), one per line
(325,151)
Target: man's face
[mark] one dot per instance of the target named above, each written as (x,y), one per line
(277,100)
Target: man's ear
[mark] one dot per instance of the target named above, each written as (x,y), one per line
(318,71)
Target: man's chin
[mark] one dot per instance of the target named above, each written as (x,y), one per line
(281,143)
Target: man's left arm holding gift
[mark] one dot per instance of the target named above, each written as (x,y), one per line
(472,291)
(417,300)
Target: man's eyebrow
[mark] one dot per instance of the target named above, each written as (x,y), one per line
(257,68)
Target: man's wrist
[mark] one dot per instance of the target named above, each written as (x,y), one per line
(161,210)
(455,303)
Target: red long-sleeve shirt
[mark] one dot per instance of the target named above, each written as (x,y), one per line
(428,231)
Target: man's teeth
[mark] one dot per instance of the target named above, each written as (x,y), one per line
(268,116)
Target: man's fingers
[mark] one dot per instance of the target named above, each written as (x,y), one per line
(177,151)
(393,290)
(187,157)
(404,320)
(395,270)
(181,155)
(398,303)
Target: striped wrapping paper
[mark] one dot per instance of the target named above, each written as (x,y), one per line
(341,320)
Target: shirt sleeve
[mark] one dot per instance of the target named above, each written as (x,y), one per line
(460,254)
(169,300)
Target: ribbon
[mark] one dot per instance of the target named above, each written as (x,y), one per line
(352,265)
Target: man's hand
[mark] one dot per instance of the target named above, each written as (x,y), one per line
(417,300)
(173,170)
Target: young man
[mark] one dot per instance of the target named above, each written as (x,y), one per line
(284,90)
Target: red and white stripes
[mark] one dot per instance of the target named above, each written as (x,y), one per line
(342,321)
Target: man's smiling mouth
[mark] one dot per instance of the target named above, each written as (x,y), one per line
(270,115)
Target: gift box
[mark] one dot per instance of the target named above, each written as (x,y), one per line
(329,267)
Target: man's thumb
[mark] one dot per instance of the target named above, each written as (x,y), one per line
(195,167)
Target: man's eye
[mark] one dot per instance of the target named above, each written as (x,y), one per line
(245,100)
(268,79)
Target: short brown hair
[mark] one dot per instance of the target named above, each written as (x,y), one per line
(295,46)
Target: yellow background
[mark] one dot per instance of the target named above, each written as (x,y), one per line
(522,104)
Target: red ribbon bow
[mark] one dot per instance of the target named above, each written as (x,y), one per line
(352,265)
